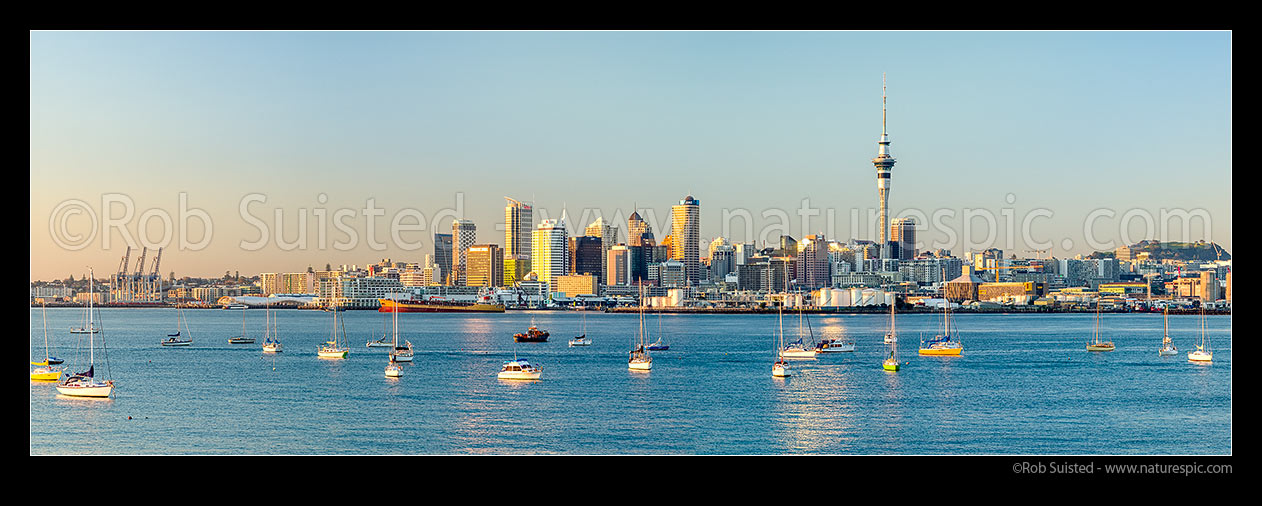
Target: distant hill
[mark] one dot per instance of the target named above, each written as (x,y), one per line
(1202,251)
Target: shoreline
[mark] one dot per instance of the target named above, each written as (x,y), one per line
(882,309)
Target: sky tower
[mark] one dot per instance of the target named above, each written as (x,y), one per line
(884,163)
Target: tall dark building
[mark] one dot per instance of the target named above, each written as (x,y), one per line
(442,254)
(585,254)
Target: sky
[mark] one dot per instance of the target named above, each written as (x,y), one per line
(1018,140)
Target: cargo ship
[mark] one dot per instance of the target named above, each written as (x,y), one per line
(439,305)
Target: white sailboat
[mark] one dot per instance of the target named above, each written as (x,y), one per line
(44,370)
(271,333)
(86,384)
(398,352)
(1096,343)
(891,362)
(781,368)
(1167,345)
(796,349)
(393,369)
(1202,354)
(89,325)
(581,339)
(177,339)
(336,347)
(640,359)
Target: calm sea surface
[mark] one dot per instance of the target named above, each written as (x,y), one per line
(1024,385)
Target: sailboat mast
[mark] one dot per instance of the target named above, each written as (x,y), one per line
(91,325)
(43,312)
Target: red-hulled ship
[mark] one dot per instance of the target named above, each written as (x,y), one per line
(438,305)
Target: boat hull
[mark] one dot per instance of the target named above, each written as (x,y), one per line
(519,375)
(640,366)
(1100,347)
(940,351)
(837,348)
(45,374)
(272,349)
(403,358)
(1168,352)
(394,372)
(177,343)
(889,365)
(580,342)
(240,340)
(86,391)
(333,353)
(779,371)
(1200,356)
(797,353)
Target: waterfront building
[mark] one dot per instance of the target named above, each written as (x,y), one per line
(962,288)
(289,282)
(686,236)
(573,285)
(442,256)
(550,257)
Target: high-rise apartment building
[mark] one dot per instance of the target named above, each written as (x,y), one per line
(686,236)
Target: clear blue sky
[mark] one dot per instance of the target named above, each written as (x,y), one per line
(1066,121)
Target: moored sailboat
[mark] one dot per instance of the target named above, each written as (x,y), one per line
(640,359)
(944,343)
(1167,345)
(86,384)
(44,370)
(177,339)
(336,347)
(1097,344)
(1202,354)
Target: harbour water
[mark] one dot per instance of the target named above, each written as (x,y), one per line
(1023,385)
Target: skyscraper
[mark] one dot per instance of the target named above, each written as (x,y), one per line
(518,226)
(903,233)
(485,265)
(464,234)
(442,256)
(608,235)
(585,255)
(884,163)
(686,233)
(550,257)
(618,261)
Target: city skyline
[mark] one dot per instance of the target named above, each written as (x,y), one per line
(751,121)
